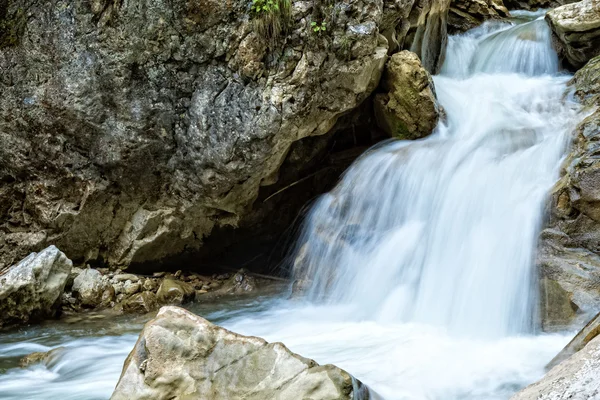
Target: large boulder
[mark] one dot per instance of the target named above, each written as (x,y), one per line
(32,289)
(409,108)
(181,355)
(569,252)
(576,378)
(576,28)
(130,131)
(585,335)
(466,14)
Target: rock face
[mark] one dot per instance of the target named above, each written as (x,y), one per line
(129,131)
(575,378)
(467,14)
(181,355)
(589,332)
(409,109)
(576,28)
(32,289)
(569,253)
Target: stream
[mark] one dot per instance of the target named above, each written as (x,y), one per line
(419,264)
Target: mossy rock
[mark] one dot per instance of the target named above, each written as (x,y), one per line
(12,25)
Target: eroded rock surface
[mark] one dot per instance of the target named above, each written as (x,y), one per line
(129,131)
(409,109)
(32,289)
(576,28)
(181,355)
(569,254)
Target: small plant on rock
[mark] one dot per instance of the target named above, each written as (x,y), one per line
(271,18)
(318,27)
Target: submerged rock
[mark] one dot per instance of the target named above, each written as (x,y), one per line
(578,377)
(409,109)
(576,27)
(45,357)
(33,288)
(569,252)
(181,355)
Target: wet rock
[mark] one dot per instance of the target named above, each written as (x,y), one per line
(46,357)
(467,14)
(32,289)
(409,109)
(181,355)
(175,292)
(576,27)
(569,251)
(583,337)
(578,377)
(140,303)
(89,286)
(240,282)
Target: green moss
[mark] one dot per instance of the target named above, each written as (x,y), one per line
(12,27)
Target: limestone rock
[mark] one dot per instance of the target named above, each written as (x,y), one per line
(409,109)
(181,355)
(33,288)
(129,131)
(576,27)
(467,14)
(140,303)
(569,252)
(578,377)
(89,287)
(175,292)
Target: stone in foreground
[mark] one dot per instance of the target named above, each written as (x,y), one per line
(180,355)
(32,288)
(576,378)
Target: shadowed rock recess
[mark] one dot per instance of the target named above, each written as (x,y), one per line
(181,355)
(130,131)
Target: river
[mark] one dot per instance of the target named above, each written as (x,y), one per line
(420,263)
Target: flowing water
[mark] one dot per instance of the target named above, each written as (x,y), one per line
(419,264)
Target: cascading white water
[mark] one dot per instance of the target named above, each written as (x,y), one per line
(443,231)
(420,259)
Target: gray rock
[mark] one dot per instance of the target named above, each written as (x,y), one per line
(89,287)
(32,289)
(576,27)
(569,252)
(583,337)
(181,355)
(576,378)
(130,288)
(125,277)
(130,130)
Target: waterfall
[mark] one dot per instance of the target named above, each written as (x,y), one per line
(443,230)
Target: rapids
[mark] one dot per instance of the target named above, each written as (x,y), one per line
(419,263)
